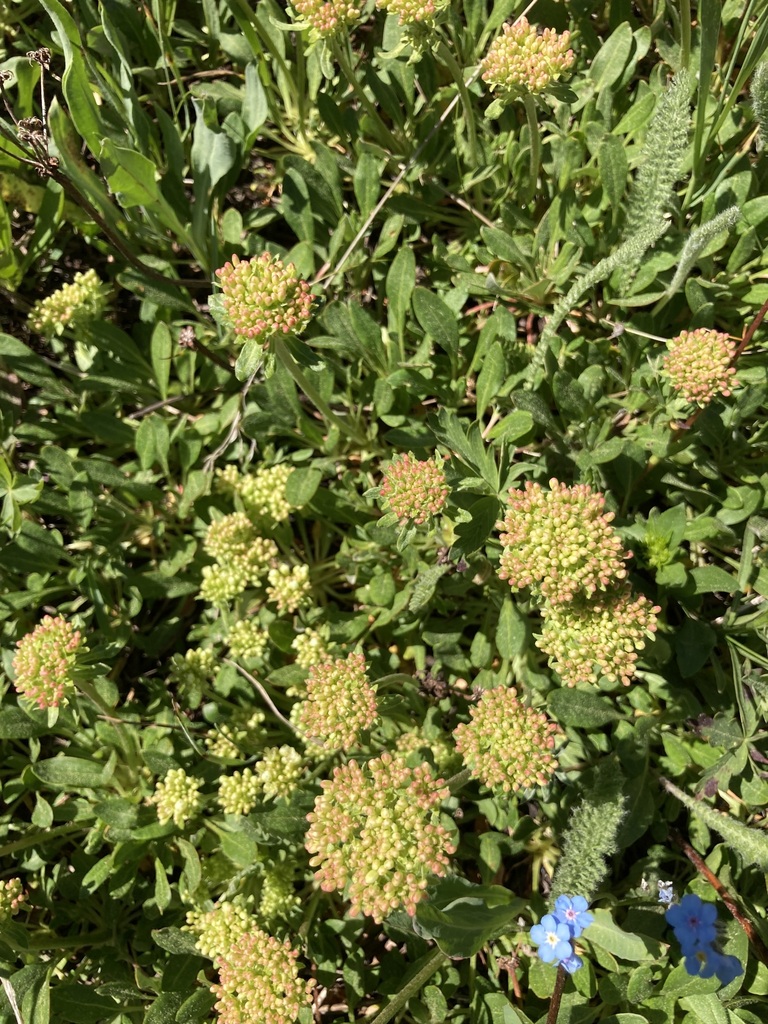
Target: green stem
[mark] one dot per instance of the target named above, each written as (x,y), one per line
(458,76)
(411,988)
(41,837)
(456,782)
(533,131)
(125,739)
(284,355)
(685,33)
(344,63)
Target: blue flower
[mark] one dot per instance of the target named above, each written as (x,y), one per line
(572,911)
(694,923)
(708,962)
(666,892)
(572,963)
(553,939)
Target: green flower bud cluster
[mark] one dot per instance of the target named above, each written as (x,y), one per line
(699,365)
(73,305)
(262,493)
(520,60)
(12,896)
(588,639)
(414,490)
(242,557)
(279,771)
(278,896)
(310,647)
(508,746)
(414,741)
(340,703)
(289,587)
(242,734)
(559,542)
(239,793)
(259,982)
(247,639)
(45,662)
(325,17)
(189,672)
(177,798)
(217,930)
(376,833)
(263,297)
(409,12)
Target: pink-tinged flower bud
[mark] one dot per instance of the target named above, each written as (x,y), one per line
(12,896)
(259,982)
(409,12)
(259,294)
(375,834)
(699,365)
(507,745)
(596,638)
(73,305)
(340,703)
(559,542)
(414,490)
(520,60)
(45,662)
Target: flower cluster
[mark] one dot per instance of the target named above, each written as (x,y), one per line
(521,60)
(239,792)
(259,982)
(310,648)
(508,745)
(263,297)
(325,17)
(247,639)
(278,896)
(45,662)
(242,557)
(12,896)
(587,640)
(414,490)
(699,365)
(263,492)
(192,670)
(242,734)
(71,306)
(559,542)
(279,771)
(409,12)
(217,930)
(695,926)
(555,933)
(376,833)
(177,798)
(289,587)
(340,703)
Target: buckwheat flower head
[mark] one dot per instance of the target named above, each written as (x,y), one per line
(239,792)
(235,543)
(521,60)
(263,297)
(222,583)
(409,12)
(263,492)
(340,703)
(12,896)
(259,982)
(414,490)
(559,542)
(507,745)
(177,798)
(279,770)
(325,17)
(45,662)
(247,639)
(243,734)
(193,669)
(310,648)
(590,639)
(278,896)
(219,929)
(73,305)
(375,833)
(698,365)
(289,587)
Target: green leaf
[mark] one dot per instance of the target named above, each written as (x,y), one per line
(197,1008)
(473,534)
(174,940)
(161,351)
(511,630)
(301,486)
(614,167)
(603,932)
(130,176)
(425,586)
(611,59)
(73,772)
(81,1004)
(250,359)
(164,1008)
(401,280)
(463,926)
(16,725)
(490,379)
(367,181)
(710,579)
(162,888)
(581,708)
(437,320)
